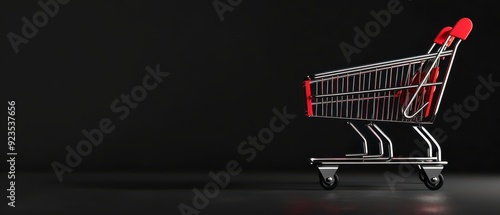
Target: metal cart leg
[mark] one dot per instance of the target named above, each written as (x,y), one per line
(365,144)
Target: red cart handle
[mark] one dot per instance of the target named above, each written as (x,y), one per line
(443,34)
(462,28)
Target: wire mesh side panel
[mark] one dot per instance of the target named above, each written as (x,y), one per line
(376,95)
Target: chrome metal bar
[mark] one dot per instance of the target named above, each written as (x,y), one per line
(433,44)
(359,97)
(429,149)
(445,79)
(410,121)
(422,160)
(337,104)
(414,158)
(380,142)
(365,143)
(386,63)
(380,162)
(427,74)
(438,148)
(388,109)
(351,100)
(389,142)
(377,90)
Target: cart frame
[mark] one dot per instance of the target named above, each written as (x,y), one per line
(407,90)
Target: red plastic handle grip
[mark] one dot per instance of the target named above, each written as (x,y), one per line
(462,28)
(443,34)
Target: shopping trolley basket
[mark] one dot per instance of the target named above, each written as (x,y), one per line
(407,91)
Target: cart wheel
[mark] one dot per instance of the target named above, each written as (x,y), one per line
(329,185)
(421,175)
(434,184)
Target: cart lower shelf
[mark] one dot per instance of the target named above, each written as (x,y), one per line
(429,174)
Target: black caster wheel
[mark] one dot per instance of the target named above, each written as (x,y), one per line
(330,183)
(434,184)
(421,175)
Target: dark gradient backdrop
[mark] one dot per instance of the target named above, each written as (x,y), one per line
(225,78)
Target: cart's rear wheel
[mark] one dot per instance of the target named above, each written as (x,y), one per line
(330,183)
(434,183)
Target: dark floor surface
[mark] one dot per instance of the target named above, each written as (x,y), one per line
(358,192)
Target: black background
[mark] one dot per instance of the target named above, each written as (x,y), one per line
(225,79)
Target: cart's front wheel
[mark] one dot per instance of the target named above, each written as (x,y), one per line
(329,183)
(434,183)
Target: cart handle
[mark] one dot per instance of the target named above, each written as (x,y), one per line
(442,35)
(462,28)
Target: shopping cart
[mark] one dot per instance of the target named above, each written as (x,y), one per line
(407,91)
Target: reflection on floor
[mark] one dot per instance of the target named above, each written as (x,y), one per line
(251,193)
